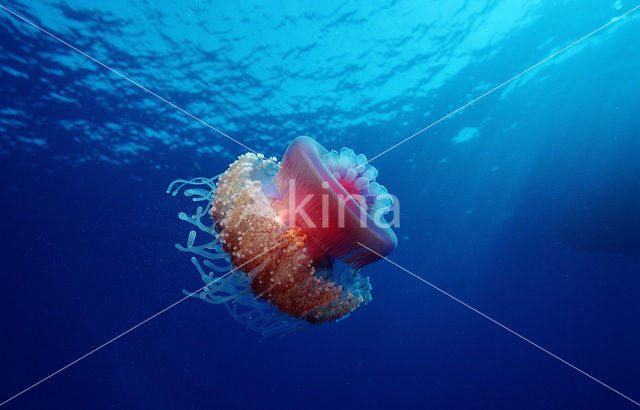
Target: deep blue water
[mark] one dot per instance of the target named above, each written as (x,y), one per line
(525,205)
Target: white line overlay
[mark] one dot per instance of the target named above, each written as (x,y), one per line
(504,83)
(206,124)
(500,324)
(133,328)
(373,158)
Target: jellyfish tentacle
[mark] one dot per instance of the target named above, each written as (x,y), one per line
(209,264)
(195,220)
(199,250)
(199,194)
(210,182)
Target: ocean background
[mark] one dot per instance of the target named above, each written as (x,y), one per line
(525,205)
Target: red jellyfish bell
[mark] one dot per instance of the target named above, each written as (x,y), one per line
(297,232)
(333,199)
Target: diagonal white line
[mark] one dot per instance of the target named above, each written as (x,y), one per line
(500,324)
(127,78)
(503,84)
(132,328)
(380,154)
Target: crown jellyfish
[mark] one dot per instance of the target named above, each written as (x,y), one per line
(293,233)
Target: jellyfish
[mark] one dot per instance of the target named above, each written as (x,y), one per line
(287,240)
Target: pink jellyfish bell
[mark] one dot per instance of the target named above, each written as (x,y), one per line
(333,198)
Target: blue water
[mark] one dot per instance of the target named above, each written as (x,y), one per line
(525,205)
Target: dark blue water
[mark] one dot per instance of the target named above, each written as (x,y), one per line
(525,205)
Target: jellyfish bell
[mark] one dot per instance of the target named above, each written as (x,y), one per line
(332,198)
(297,233)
